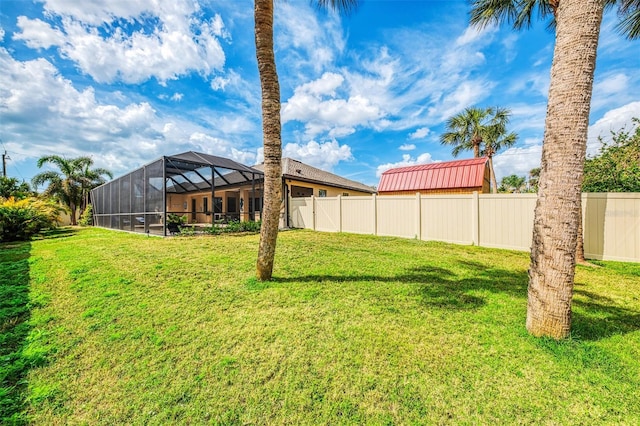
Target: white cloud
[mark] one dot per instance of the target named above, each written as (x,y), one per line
(73,122)
(420,133)
(220,147)
(613,120)
(314,104)
(234,85)
(97,12)
(310,43)
(517,160)
(322,155)
(177,97)
(612,84)
(407,147)
(468,93)
(390,85)
(38,34)
(407,160)
(474,34)
(169,44)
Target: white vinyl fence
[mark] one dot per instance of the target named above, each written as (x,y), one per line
(611,221)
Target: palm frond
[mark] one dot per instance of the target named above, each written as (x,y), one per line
(629,12)
(343,6)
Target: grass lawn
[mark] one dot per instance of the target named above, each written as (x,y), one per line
(103,327)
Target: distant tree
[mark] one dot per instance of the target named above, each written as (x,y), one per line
(534,176)
(72,183)
(483,130)
(616,167)
(11,187)
(89,179)
(513,183)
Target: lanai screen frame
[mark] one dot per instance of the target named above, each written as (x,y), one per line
(137,201)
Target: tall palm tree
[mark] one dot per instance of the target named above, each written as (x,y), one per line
(558,208)
(483,130)
(73,181)
(271,128)
(89,179)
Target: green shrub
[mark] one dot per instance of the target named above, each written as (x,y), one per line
(213,230)
(187,231)
(87,217)
(22,219)
(237,226)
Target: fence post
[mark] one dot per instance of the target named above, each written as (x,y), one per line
(313,212)
(375,214)
(418,218)
(475,218)
(339,213)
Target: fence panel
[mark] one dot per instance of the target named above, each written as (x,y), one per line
(447,218)
(398,216)
(301,212)
(328,214)
(358,215)
(506,220)
(612,226)
(611,221)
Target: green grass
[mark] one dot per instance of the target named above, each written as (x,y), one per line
(129,329)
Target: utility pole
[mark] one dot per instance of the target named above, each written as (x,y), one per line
(4,163)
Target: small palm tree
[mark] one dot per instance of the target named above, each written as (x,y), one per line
(534,176)
(89,179)
(271,129)
(558,209)
(483,130)
(71,185)
(512,183)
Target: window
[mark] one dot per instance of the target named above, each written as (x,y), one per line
(345,194)
(300,191)
(257,202)
(322,193)
(232,205)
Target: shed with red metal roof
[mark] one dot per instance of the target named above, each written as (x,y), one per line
(450,177)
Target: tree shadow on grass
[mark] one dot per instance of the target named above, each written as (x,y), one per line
(438,287)
(56,233)
(14,329)
(595,317)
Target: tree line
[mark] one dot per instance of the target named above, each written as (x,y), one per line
(24,213)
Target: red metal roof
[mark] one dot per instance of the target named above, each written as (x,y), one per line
(445,175)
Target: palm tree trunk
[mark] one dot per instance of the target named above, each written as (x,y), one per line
(72,214)
(476,147)
(556,220)
(271,133)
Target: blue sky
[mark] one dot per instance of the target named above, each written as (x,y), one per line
(129,81)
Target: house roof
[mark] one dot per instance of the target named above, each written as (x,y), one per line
(445,175)
(191,171)
(294,169)
(202,159)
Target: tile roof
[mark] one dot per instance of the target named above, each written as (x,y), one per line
(294,169)
(445,175)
